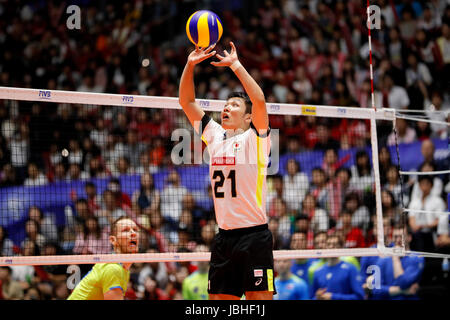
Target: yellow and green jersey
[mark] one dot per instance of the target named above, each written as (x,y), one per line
(195,286)
(102,278)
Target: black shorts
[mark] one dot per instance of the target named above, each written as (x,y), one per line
(242,260)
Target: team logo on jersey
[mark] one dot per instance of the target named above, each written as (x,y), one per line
(223,161)
(237,146)
(329,275)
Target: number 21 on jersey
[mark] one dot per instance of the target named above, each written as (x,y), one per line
(219,180)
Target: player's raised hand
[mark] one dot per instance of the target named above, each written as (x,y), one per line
(228,59)
(200,54)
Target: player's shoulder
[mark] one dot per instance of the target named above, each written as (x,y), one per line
(262,133)
(209,123)
(347,265)
(110,268)
(297,280)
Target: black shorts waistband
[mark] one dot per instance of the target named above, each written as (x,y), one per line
(242,231)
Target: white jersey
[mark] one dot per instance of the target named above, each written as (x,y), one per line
(238,169)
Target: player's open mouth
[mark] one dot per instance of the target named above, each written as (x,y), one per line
(133,242)
(225,117)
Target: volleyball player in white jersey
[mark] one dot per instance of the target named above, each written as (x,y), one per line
(241,255)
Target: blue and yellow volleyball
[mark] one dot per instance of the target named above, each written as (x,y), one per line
(204,28)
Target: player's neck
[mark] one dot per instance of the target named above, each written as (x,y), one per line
(333,261)
(285,275)
(229,133)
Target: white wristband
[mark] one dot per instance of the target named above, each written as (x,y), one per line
(235,65)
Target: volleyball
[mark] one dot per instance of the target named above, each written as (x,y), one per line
(204,28)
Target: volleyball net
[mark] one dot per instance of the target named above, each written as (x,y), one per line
(76,161)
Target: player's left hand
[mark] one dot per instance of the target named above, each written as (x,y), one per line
(228,59)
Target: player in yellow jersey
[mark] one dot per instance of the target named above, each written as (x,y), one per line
(241,255)
(109,281)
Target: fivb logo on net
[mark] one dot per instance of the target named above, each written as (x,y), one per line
(188,152)
(45,94)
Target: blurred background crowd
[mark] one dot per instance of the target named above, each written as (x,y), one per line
(309,52)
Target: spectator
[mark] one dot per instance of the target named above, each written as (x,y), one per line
(390,206)
(46,223)
(285,221)
(93,200)
(60,291)
(59,174)
(394,96)
(19,147)
(145,165)
(324,141)
(97,168)
(6,244)
(427,150)
(384,162)
(93,239)
(147,196)
(158,271)
(436,111)
(151,290)
(33,233)
(394,185)
(443,234)
(330,163)
(133,148)
(336,280)
(289,286)
(110,209)
(295,185)
(195,286)
(75,153)
(75,173)
(362,174)
(172,198)
(318,217)
(275,190)
(353,236)
(122,167)
(319,188)
(302,224)
(10,289)
(195,214)
(8,177)
(122,198)
(437,182)
(340,188)
(400,276)
(360,213)
(33,293)
(424,224)
(35,176)
(300,266)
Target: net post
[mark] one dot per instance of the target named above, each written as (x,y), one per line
(376,171)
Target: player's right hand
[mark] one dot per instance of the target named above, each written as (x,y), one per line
(200,54)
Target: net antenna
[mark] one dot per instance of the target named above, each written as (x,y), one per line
(136,101)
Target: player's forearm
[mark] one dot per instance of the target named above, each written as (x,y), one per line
(251,87)
(187,95)
(260,117)
(397,265)
(187,89)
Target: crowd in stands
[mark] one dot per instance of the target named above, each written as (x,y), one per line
(310,52)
